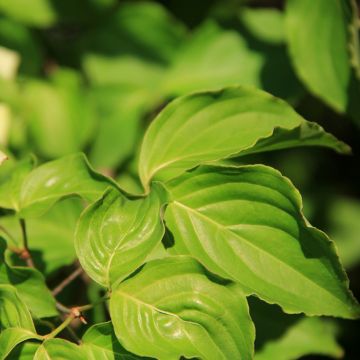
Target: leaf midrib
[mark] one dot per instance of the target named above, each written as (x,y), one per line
(206,218)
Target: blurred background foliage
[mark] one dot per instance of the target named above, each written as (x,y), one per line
(89,75)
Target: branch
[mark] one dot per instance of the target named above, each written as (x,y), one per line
(67,281)
(25,253)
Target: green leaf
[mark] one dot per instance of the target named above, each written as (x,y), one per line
(11,337)
(17,37)
(344,227)
(24,351)
(30,285)
(133,47)
(115,235)
(305,337)
(10,186)
(69,175)
(172,309)
(30,12)
(55,349)
(213,58)
(59,113)
(50,236)
(13,311)
(287,337)
(245,223)
(266,24)
(100,342)
(209,126)
(118,132)
(319,37)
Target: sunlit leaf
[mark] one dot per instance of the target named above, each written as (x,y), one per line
(172,309)
(10,186)
(212,125)
(69,175)
(115,235)
(245,223)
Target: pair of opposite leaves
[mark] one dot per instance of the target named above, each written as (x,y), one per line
(243,223)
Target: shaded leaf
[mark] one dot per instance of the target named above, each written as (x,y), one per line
(30,12)
(50,236)
(24,351)
(11,337)
(3,157)
(133,47)
(30,285)
(13,311)
(344,227)
(115,235)
(213,58)
(319,37)
(55,349)
(307,336)
(58,113)
(100,342)
(245,223)
(120,111)
(172,309)
(266,24)
(17,37)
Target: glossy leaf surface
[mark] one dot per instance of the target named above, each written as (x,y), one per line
(212,125)
(115,235)
(69,175)
(172,309)
(246,224)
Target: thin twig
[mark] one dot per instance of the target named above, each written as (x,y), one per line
(67,281)
(25,254)
(63,308)
(72,333)
(61,327)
